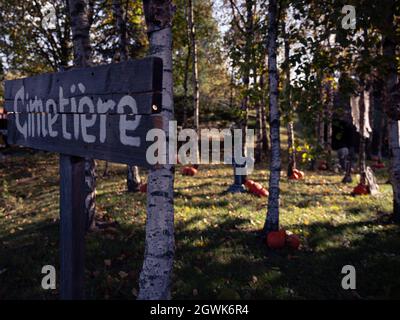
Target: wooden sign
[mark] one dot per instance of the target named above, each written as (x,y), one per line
(103,112)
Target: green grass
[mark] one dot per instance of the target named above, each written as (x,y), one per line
(219,253)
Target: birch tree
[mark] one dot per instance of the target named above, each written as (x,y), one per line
(272,220)
(392,103)
(81,16)
(155,277)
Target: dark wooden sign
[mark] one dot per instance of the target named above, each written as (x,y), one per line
(102,112)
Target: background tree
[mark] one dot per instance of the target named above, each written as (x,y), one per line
(29,46)
(81,18)
(132,176)
(195,71)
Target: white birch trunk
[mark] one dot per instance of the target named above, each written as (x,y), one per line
(272,220)
(155,277)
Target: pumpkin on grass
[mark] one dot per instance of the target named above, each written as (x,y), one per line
(297,175)
(256,188)
(300,174)
(249,183)
(189,171)
(360,189)
(293,241)
(276,239)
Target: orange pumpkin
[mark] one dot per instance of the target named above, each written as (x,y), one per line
(248,183)
(293,241)
(143,188)
(297,175)
(294,176)
(256,188)
(189,171)
(263,192)
(300,174)
(276,239)
(360,189)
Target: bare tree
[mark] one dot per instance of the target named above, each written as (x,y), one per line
(155,277)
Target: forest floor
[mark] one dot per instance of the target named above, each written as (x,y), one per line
(219,253)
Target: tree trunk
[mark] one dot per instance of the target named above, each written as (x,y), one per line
(120,25)
(185,89)
(80,26)
(329,116)
(187,63)
(291,149)
(195,76)
(389,52)
(155,277)
(288,106)
(259,142)
(265,144)
(272,220)
(321,131)
(133,180)
(258,149)
(361,152)
(132,176)
(382,136)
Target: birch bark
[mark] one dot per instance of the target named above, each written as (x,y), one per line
(272,220)
(155,277)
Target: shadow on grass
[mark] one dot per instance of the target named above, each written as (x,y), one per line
(224,261)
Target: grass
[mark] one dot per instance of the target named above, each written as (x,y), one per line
(219,254)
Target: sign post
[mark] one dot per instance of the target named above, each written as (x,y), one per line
(72,226)
(103,112)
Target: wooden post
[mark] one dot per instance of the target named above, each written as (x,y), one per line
(72,230)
